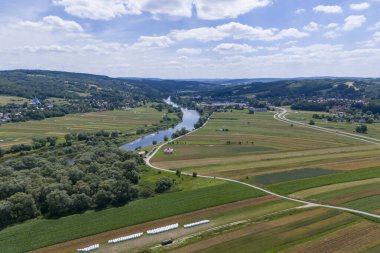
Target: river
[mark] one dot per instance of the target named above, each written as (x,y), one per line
(190,117)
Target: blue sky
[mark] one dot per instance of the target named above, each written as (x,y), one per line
(193,38)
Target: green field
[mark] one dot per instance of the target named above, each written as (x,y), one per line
(318,230)
(124,121)
(302,184)
(258,144)
(195,194)
(12,99)
(272,178)
(306,116)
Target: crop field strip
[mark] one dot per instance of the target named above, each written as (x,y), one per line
(290,231)
(49,232)
(306,116)
(23,132)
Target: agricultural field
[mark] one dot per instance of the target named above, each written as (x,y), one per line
(297,161)
(317,230)
(258,144)
(12,99)
(306,116)
(188,195)
(124,121)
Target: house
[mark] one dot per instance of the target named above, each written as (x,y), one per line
(36,102)
(168,151)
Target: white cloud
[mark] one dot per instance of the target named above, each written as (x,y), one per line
(335,9)
(232,48)
(360,6)
(52,23)
(193,51)
(212,10)
(236,31)
(376,36)
(206,9)
(331,35)
(332,26)
(203,34)
(97,9)
(352,22)
(300,10)
(375,26)
(311,27)
(153,41)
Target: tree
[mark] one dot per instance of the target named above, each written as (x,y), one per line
(178,173)
(5,213)
(166,138)
(24,207)
(115,134)
(163,184)
(362,129)
(52,140)
(102,198)
(311,122)
(2,152)
(195,174)
(80,202)
(154,142)
(59,203)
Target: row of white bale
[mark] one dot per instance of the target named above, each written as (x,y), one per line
(162,229)
(89,248)
(125,238)
(149,232)
(196,223)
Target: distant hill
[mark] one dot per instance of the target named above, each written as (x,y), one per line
(44,84)
(303,88)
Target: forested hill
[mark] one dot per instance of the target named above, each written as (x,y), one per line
(44,84)
(327,88)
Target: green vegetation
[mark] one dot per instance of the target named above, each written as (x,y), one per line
(48,232)
(302,184)
(12,99)
(272,178)
(123,121)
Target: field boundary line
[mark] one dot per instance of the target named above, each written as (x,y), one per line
(306,203)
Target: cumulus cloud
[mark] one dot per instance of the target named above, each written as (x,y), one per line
(212,10)
(333,9)
(332,26)
(311,27)
(360,6)
(193,51)
(375,26)
(206,9)
(236,31)
(232,48)
(331,34)
(52,23)
(153,42)
(352,22)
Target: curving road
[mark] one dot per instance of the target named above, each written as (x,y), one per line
(280,115)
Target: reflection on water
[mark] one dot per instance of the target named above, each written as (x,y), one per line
(190,117)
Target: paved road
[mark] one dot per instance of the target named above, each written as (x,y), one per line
(280,115)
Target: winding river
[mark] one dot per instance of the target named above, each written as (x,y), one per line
(190,117)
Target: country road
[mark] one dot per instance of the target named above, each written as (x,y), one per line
(281,116)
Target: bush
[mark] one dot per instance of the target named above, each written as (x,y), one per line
(163,185)
(195,174)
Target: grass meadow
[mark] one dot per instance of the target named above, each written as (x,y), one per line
(306,116)
(12,99)
(124,121)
